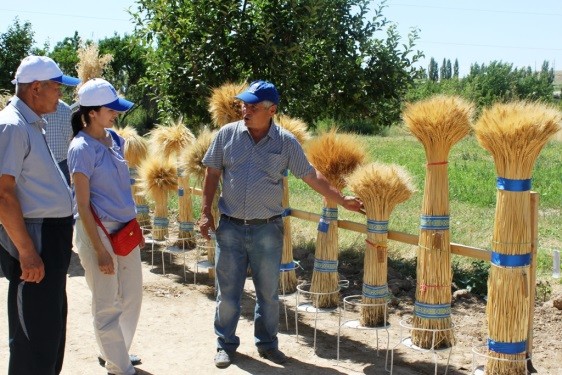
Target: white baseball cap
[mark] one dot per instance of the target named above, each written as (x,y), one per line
(99,92)
(42,68)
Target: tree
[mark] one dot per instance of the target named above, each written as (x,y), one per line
(443,70)
(65,54)
(498,81)
(126,71)
(433,70)
(321,54)
(456,69)
(15,44)
(448,70)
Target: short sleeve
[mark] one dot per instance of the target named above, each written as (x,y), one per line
(14,146)
(81,157)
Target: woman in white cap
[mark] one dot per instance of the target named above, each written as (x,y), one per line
(102,185)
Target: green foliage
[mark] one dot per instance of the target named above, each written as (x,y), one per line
(433,71)
(404,266)
(544,291)
(473,278)
(358,126)
(487,84)
(65,53)
(322,55)
(15,44)
(126,72)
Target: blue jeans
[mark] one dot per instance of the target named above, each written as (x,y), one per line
(260,247)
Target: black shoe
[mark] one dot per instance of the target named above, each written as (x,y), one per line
(135,360)
(222,358)
(274,355)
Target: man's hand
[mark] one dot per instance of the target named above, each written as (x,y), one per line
(353,204)
(32,267)
(206,223)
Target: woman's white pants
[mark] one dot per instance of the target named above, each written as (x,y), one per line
(116,299)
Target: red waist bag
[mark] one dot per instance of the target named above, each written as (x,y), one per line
(124,240)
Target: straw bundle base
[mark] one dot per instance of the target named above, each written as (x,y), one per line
(373,316)
(186,239)
(288,282)
(515,364)
(159,234)
(325,284)
(444,337)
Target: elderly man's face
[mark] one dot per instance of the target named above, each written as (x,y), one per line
(257,115)
(47,94)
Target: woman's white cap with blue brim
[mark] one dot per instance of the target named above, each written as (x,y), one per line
(99,92)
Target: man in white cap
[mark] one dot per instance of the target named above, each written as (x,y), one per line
(36,216)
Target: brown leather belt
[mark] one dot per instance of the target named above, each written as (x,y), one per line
(237,221)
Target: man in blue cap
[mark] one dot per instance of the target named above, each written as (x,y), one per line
(252,156)
(36,216)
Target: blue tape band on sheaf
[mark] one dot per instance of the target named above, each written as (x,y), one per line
(323,225)
(375,291)
(330,213)
(424,310)
(180,192)
(186,226)
(507,347)
(505,260)
(142,209)
(325,265)
(287,266)
(513,185)
(161,222)
(286,212)
(132,181)
(428,222)
(379,227)
(285,173)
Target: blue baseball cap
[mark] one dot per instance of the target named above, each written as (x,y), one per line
(258,92)
(42,68)
(99,92)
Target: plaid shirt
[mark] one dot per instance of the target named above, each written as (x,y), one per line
(59,131)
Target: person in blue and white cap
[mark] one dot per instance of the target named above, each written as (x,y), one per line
(36,215)
(252,156)
(101,181)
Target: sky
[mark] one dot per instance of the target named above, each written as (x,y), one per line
(521,32)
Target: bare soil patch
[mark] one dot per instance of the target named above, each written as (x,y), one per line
(175,335)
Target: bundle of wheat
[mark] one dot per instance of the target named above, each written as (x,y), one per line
(136,150)
(191,162)
(295,126)
(168,141)
(438,123)
(335,156)
(381,187)
(191,159)
(223,106)
(288,277)
(90,63)
(514,133)
(158,177)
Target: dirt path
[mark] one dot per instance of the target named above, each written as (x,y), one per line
(175,335)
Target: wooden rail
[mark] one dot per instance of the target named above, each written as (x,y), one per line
(458,249)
